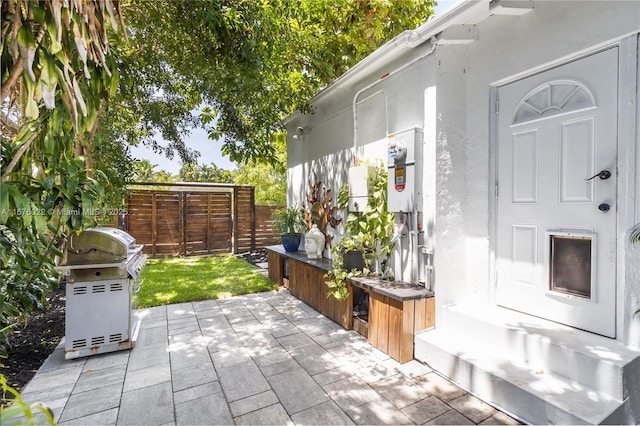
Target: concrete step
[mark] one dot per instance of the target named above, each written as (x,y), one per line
(540,371)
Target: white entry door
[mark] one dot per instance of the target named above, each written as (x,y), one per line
(556,225)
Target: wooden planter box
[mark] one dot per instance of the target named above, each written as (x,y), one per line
(396,310)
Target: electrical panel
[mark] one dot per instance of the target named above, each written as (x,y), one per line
(405,166)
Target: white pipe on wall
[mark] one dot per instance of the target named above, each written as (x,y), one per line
(384,77)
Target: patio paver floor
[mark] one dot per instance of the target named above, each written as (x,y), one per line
(266,358)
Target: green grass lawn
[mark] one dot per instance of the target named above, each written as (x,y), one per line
(178,280)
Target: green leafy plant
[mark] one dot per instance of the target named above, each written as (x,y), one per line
(369,231)
(289,220)
(634,238)
(18,410)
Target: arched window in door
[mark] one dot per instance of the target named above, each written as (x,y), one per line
(554,98)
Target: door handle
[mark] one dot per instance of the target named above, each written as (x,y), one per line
(604,207)
(604,175)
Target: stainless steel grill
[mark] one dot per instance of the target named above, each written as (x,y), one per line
(101,268)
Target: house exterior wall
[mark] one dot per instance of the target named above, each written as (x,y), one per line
(449,92)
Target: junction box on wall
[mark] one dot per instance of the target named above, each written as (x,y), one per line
(360,186)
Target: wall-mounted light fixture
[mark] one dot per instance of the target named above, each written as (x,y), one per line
(300,132)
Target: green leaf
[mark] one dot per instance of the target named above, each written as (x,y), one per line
(87,204)
(27,47)
(40,222)
(72,185)
(4,203)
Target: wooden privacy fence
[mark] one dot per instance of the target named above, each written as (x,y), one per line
(197,219)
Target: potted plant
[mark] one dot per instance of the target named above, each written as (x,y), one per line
(290,222)
(368,235)
(634,238)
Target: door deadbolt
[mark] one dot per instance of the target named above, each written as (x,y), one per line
(604,207)
(604,175)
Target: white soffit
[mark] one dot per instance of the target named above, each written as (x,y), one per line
(455,26)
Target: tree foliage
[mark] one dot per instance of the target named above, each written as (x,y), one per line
(203,173)
(251,62)
(56,74)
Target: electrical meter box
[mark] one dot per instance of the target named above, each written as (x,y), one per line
(405,166)
(360,187)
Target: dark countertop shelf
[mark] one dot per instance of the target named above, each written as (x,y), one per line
(397,290)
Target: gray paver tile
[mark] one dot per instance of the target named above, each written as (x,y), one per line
(151,405)
(267,356)
(314,328)
(185,354)
(193,375)
(145,377)
(351,392)
(187,337)
(327,413)
(88,403)
(107,360)
(500,418)
(242,380)
(271,415)
(151,336)
(153,323)
(180,310)
(247,324)
(208,410)
(472,408)
(64,380)
(371,372)
(54,401)
(231,357)
(205,305)
(451,417)
(378,412)
(296,390)
(333,375)
(95,379)
(283,328)
(211,318)
(331,340)
(196,392)
(293,341)
(425,410)
(56,361)
(157,312)
(258,339)
(148,356)
(184,331)
(107,417)
(236,312)
(278,368)
(400,391)
(413,369)
(223,342)
(253,403)
(438,385)
(314,358)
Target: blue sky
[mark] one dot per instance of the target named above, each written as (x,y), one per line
(210,150)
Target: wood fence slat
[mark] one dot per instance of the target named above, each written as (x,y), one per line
(198,220)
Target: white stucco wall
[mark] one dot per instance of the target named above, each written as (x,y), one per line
(458,132)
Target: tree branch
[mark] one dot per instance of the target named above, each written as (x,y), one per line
(16,158)
(8,86)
